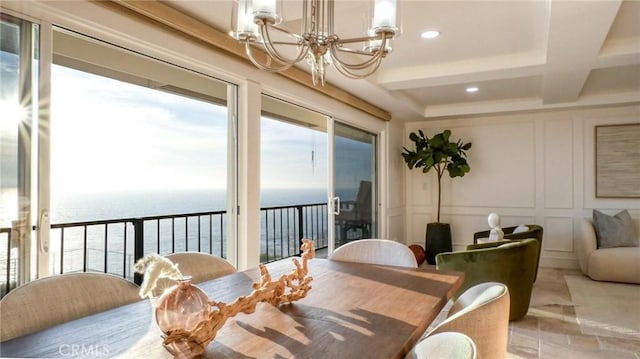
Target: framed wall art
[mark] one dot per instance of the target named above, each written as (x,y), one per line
(617,161)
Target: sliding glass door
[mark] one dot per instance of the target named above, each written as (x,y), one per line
(354,182)
(293,179)
(141,158)
(18,146)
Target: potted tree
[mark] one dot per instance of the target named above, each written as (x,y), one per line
(442,155)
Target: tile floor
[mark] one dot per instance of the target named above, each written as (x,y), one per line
(550,330)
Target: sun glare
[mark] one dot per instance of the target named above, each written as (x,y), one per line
(11,110)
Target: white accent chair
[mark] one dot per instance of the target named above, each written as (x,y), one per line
(201,266)
(376,251)
(445,345)
(482,313)
(53,300)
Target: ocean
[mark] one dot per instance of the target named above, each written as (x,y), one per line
(205,233)
(104,206)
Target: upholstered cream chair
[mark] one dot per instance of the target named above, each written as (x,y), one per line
(482,313)
(61,298)
(376,251)
(445,345)
(620,264)
(201,266)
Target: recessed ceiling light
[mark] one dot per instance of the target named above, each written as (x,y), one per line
(472,89)
(431,34)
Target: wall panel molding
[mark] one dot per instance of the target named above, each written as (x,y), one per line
(558,164)
(555,151)
(558,234)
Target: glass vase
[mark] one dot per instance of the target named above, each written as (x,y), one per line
(182,306)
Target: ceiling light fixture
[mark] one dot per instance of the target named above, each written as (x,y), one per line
(430,34)
(472,89)
(255,21)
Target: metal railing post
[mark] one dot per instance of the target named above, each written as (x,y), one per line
(138,246)
(300,228)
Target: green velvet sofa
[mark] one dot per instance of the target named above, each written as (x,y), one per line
(513,263)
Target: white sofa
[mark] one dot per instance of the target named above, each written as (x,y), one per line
(620,264)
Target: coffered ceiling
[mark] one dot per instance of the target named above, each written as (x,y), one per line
(522,55)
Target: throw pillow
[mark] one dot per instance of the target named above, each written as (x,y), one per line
(418,252)
(521,228)
(614,231)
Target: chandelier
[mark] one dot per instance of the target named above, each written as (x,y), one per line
(256,22)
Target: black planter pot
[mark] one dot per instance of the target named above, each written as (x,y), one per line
(438,240)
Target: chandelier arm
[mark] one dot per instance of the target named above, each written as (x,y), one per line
(374,58)
(354,51)
(268,66)
(360,39)
(285,43)
(271,51)
(353,75)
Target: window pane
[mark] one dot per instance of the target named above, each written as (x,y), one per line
(18,143)
(293,177)
(134,153)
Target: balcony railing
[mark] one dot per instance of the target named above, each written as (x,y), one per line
(112,246)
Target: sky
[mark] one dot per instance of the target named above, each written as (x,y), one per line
(108,135)
(112,135)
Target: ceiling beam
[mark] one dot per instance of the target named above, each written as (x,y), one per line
(485,69)
(194,28)
(569,60)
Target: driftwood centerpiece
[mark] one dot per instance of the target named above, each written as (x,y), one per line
(286,289)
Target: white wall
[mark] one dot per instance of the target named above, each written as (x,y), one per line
(529,168)
(395,184)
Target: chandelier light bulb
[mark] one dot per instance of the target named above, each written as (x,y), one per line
(384,14)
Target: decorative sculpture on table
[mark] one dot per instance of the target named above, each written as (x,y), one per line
(190,324)
(496,233)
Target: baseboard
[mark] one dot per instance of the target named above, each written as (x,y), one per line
(564,263)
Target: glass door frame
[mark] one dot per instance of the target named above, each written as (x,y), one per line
(378,129)
(33,150)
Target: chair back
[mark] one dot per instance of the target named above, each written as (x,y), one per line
(482,313)
(512,263)
(376,251)
(444,345)
(54,300)
(533,231)
(201,266)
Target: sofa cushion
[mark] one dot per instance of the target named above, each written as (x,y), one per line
(615,264)
(614,231)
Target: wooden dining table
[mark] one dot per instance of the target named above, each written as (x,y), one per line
(353,310)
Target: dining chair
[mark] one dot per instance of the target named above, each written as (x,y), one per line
(376,251)
(445,345)
(512,263)
(201,266)
(53,300)
(482,313)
